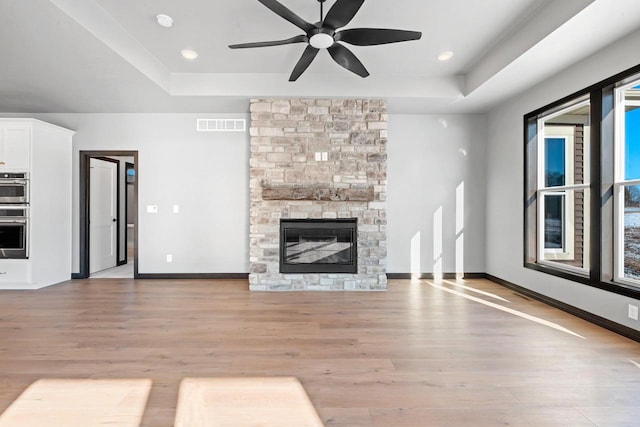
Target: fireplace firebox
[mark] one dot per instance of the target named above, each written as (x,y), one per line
(319,245)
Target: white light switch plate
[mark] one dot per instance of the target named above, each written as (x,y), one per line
(325,156)
(176,209)
(318,156)
(152,209)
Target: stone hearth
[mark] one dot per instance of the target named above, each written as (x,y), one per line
(290,178)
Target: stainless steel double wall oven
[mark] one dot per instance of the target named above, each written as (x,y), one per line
(14,215)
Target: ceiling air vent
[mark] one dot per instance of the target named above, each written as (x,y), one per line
(221,125)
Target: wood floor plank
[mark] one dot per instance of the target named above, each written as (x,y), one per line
(416,355)
(487,417)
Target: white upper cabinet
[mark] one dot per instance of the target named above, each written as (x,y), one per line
(15,146)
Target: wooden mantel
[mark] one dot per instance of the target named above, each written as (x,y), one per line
(317,192)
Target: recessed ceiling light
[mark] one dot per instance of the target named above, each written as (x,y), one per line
(164,20)
(445,56)
(189,54)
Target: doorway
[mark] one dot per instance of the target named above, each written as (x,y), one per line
(108,201)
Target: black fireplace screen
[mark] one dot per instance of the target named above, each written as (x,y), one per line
(318,246)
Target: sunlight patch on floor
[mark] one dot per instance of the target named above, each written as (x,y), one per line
(507,310)
(79,402)
(231,402)
(470,289)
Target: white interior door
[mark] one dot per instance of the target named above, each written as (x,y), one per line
(102,215)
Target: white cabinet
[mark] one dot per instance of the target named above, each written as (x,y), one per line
(44,151)
(15,146)
(15,271)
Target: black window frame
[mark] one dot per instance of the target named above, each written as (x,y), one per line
(601,149)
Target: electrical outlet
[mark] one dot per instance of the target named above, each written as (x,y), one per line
(169,258)
(633,312)
(152,209)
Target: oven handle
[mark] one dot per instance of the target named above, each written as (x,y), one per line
(13,221)
(15,181)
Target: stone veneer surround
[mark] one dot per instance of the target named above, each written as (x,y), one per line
(352,183)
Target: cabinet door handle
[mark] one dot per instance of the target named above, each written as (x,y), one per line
(2,163)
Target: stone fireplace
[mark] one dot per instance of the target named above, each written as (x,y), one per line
(318,161)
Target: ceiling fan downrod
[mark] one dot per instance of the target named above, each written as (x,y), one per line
(321,9)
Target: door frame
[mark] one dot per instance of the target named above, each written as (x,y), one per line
(83,194)
(127,166)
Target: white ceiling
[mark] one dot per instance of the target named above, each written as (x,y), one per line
(210,26)
(111,55)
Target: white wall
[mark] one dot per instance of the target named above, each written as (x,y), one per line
(430,156)
(505,183)
(205,173)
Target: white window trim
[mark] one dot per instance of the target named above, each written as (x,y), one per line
(620,183)
(567,133)
(546,256)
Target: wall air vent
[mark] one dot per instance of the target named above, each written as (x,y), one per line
(221,125)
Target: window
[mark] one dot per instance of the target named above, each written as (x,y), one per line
(582,186)
(562,190)
(627,183)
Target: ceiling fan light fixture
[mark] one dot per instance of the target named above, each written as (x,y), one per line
(321,41)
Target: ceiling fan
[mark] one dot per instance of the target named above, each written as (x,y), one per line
(324,35)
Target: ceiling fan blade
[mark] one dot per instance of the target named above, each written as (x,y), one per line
(305,60)
(287,14)
(374,36)
(341,13)
(297,39)
(347,59)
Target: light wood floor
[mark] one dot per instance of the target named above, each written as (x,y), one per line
(418,355)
